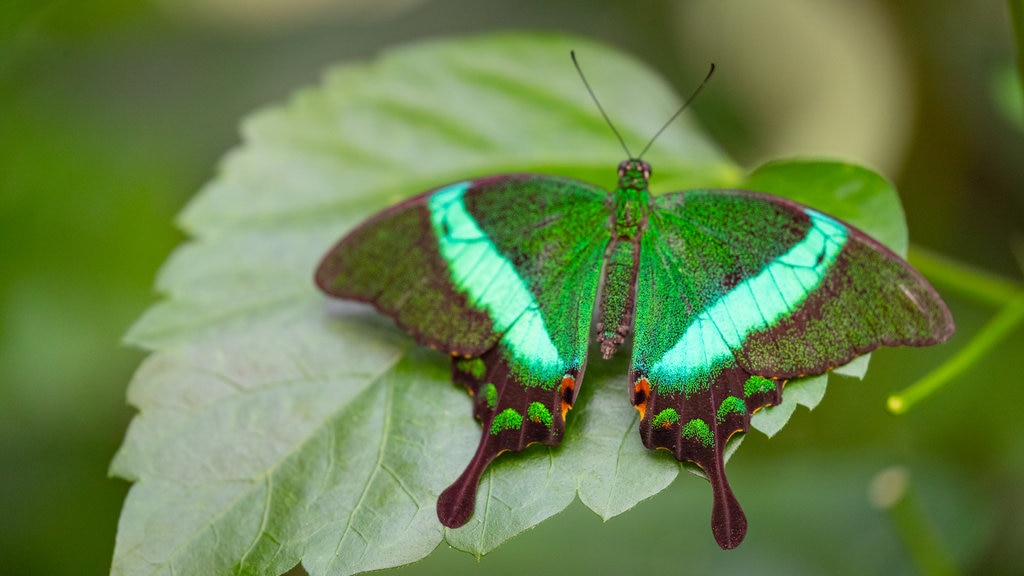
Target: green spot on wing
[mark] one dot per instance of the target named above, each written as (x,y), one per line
(730,404)
(697,429)
(475,367)
(538,412)
(491,395)
(666,417)
(508,419)
(756,384)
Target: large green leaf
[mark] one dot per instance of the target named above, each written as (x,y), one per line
(276,427)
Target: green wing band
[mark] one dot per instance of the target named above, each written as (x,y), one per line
(756,303)
(492,283)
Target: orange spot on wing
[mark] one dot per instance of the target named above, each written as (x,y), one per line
(568,385)
(642,389)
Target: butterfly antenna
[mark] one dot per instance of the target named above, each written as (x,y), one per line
(596,101)
(678,112)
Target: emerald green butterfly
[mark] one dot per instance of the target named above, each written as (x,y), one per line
(726,294)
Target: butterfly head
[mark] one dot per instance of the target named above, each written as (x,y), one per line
(634,174)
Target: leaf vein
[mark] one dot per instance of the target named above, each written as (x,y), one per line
(211,524)
(388,407)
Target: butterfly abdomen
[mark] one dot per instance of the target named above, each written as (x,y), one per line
(618,297)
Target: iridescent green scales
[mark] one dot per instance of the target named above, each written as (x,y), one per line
(539,413)
(727,294)
(698,430)
(757,385)
(665,418)
(731,405)
(474,366)
(490,393)
(507,419)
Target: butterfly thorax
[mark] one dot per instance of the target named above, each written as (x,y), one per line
(628,222)
(631,199)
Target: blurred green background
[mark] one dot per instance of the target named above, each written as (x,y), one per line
(113,112)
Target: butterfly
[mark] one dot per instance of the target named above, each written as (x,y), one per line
(726,294)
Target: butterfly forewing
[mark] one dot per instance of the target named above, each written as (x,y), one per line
(551,234)
(394,261)
(794,291)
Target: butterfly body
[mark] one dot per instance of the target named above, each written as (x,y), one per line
(726,293)
(628,221)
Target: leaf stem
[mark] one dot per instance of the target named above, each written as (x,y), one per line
(1009,317)
(982,287)
(969,281)
(975,284)
(893,491)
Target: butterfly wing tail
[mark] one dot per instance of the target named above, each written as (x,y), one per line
(513,417)
(694,421)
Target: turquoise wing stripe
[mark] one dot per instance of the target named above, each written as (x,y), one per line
(755,304)
(491,282)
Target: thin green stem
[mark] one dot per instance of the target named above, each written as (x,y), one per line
(979,286)
(923,544)
(1005,321)
(892,491)
(966,280)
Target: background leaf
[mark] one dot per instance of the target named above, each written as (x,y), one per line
(275,427)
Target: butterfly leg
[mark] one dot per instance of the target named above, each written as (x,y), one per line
(513,416)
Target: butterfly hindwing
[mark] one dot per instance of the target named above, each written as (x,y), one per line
(513,416)
(738,291)
(501,272)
